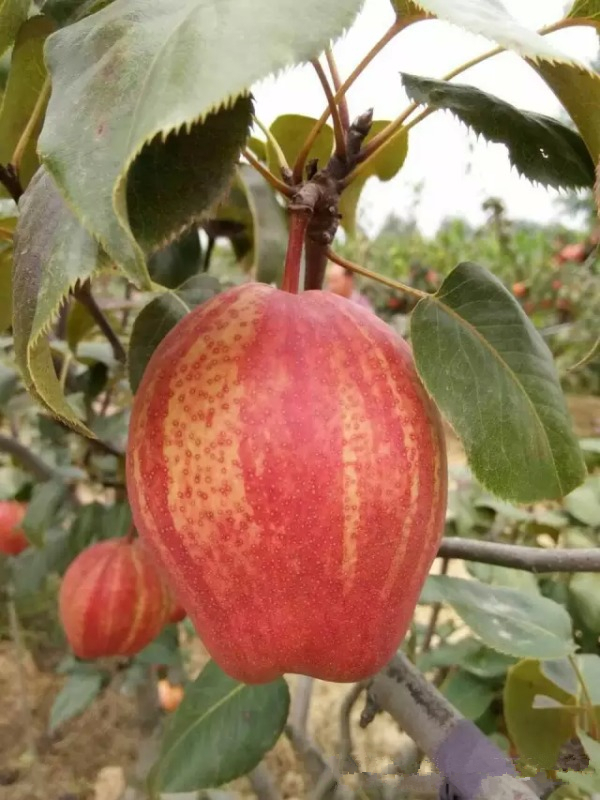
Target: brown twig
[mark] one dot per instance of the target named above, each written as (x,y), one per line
(83,294)
(337,85)
(263,784)
(347,761)
(27,458)
(301,706)
(367,273)
(273,180)
(387,37)
(435,613)
(338,128)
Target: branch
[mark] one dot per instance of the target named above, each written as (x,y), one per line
(301,704)
(271,179)
(32,462)
(435,613)
(324,776)
(531,559)
(347,760)
(337,84)
(397,26)
(84,295)
(367,273)
(263,784)
(473,766)
(338,128)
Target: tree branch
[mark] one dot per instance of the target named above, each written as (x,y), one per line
(435,613)
(338,128)
(84,295)
(32,462)
(530,559)
(263,784)
(301,705)
(468,760)
(347,760)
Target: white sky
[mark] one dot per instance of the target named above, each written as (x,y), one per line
(440,148)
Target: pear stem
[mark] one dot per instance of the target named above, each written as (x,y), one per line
(299,219)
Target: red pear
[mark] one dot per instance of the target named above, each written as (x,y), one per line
(113,600)
(12,539)
(289,470)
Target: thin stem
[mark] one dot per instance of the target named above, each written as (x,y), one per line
(28,459)
(64,370)
(530,559)
(299,220)
(315,260)
(367,273)
(347,761)
(589,706)
(589,356)
(435,613)
(85,297)
(337,83)
(382,137)
(281,159)
(277,184)
(338,128)
(358,70)
(301,706)
(33,120)
(15,632)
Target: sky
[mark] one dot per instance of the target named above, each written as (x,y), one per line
(456,172)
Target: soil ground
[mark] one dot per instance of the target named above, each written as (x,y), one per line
(87,757)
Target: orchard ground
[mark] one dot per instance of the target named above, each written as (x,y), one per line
(87,757)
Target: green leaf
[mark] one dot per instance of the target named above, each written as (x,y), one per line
(142,68)
(172,183)
(221,731)
(515,623)
(584,591)
(25,82)
(539,147)
(493,377)
(584,503)
(538,733)
(46,500)
(13,14)
(585,9)
(487,18)
(504,576)
(164,650)
(157,318)
(79,323)
(468,654)
(470,695)
(579,92)
(291,131)
(592,748)
(270,227)
(383,164)
(79,691)
(52,253)
(178,261)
